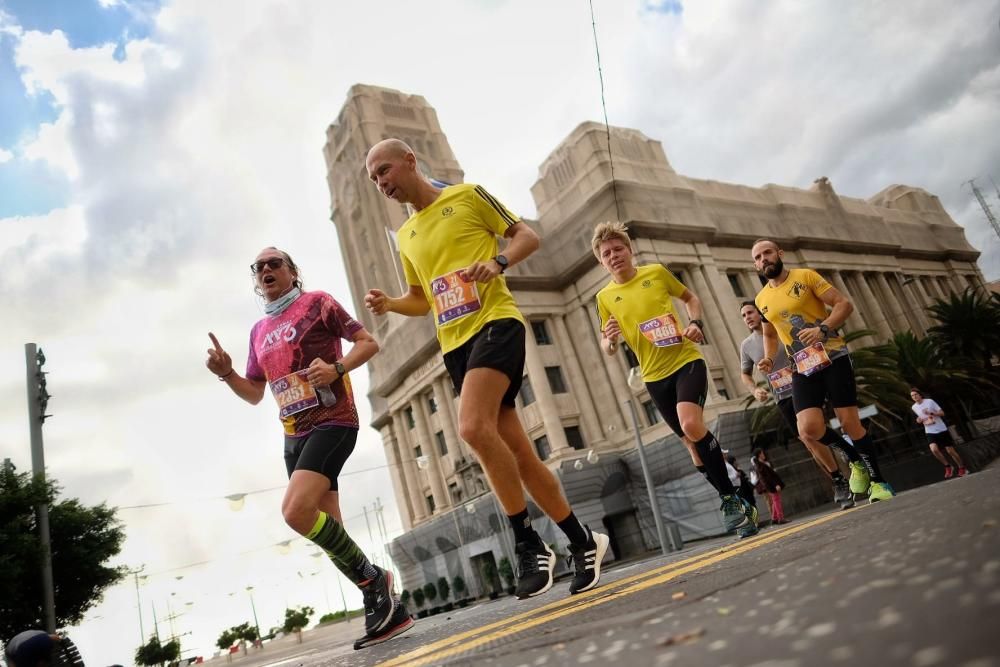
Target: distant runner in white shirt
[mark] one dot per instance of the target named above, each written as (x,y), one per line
(929,413)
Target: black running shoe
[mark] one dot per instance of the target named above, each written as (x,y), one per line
(379,602)
(842,493)
(535,562)
(586,559)
(399,623)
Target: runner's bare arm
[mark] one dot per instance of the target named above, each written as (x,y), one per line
(770,347)
(841,309)
(413,303)
(522,241)
(691,301)
(221,364)
(609,337)
(365,347)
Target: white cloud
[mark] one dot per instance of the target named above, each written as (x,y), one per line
(204,145)
(5,155)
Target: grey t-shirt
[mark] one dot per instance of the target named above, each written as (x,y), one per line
(752,351)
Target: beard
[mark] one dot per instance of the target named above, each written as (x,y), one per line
(773,270)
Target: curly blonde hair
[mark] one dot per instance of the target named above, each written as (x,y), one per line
(606,231)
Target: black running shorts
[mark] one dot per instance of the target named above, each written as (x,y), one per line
(324,450)
(942,439)
(498,345)
(688,385)
(786,407)
(835,382)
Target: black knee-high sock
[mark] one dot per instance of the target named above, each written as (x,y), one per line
(574,530)
(710,452)
(704,472)
(521,523)
(867,452)
(831,439)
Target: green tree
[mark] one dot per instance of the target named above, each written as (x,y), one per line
(297,619)
(968,325)
(458,583)
(430,592)
(418,597)
(226,640)
(155,653)
(83,540)
(443,588)
(506,571)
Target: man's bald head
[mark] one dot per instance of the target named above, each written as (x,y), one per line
(390,148)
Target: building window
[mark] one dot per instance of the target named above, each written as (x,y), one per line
(653,415)
(527,393)
(556,382)
(456,493)
(574,437)
(442,445)
(542,447)
(680,277)
(734,282)
(541,332)
(430,503)
(408,411)
(417,452)
(720,386)
(432,404)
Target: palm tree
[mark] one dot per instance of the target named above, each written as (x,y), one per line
(968,325)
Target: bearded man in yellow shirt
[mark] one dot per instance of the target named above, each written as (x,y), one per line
(450,254)
(794,304)
(637,306)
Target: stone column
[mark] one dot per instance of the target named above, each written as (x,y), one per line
(414,485)
(607,385)
(875,315)
(946,286)
(854,321)
(717,330)
(957,281)
(438,489)
(398,474)
(931,288)
(443,396)
(547,407)
(892,308)
(913,292)
(907,307)
(577,380)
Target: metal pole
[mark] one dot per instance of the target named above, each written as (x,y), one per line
(654,504)
(33,363)
(156,625)
(138,605)
(254,608)
(371,540)
(343,599)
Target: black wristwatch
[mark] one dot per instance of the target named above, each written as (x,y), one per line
(699,324)
(502,261)
(339,367)
(825,330)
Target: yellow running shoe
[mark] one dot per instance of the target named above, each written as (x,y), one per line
(860,481)
(880,491)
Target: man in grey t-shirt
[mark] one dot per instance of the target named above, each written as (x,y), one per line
(780,385)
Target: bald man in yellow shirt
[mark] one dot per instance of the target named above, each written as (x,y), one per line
(451,261)
(794,303)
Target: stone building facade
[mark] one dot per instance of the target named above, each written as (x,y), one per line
(892,254)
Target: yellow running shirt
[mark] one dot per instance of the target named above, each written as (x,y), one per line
(459,228)
(795,305)
(645,312)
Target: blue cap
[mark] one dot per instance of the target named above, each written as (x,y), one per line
(28,647)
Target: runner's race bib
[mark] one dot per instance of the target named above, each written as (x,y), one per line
(294,393)
(813,358)
(781,381)
(662,331)
(453,297)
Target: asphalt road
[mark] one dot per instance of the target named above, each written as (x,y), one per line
(914,581)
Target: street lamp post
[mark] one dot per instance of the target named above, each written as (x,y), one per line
(254,609)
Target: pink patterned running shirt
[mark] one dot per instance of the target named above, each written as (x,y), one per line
(280,345)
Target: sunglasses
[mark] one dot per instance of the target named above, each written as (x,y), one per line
(274,264)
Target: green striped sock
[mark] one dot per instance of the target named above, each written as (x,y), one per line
(331,537)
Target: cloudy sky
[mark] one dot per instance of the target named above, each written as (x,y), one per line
(149,149)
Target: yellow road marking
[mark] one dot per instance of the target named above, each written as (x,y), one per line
(455,644)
